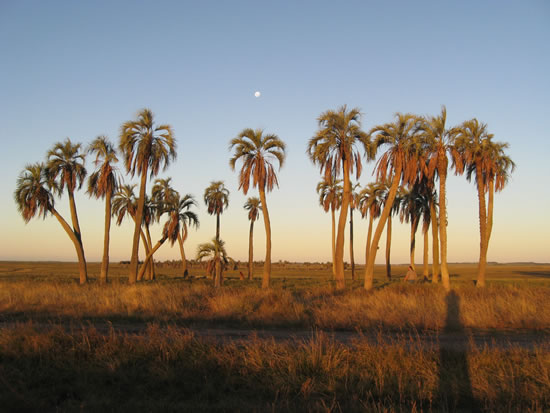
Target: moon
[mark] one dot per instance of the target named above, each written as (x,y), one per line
(257,93)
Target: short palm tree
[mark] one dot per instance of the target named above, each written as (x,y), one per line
(215,254)
(187,219)
(65,165)
(125,204)
(216,198)
(330,198)
(170,231)
(369,202)
(400,163)
(102,183)
(475,152)
(258,152)
(334,149)
(146,148)
(254,206)
(33,196)
(438,143)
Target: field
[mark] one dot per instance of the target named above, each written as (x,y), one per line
(180,345)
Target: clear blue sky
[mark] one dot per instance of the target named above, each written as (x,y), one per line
(80,69)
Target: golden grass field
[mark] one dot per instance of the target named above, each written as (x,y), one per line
(120,347)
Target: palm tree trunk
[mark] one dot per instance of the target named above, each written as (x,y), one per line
(218,227)
(442,171)
(78,234)
(333,243)
(145,246)
(490,210)
(133,270)
(149,257)
(218,274)
(77,245)
(182,253)
(425,270)
(339,256)
(482,228)
(352,261)
(105,261)
(414,226)
(151,266)
(435,243)
(251,251)
(267,264)
(369,237)
(388,249)
(369,274)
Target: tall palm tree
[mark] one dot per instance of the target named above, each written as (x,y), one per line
(258,152)
(216,198)
(386,185)
(146,148)
(216,255)
(33,196)
(65,165)
(475,152)
(369,203)
(187,219)
(125,204)
(352,205)
(102,183)
(334,149)
(253,205)
(330,198)
(400,163)
(439,141)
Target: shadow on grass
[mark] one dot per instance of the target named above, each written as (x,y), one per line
(455,386)
(534,274)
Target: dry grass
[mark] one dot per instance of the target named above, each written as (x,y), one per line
(395,306)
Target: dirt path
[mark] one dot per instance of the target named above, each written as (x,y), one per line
(457,340)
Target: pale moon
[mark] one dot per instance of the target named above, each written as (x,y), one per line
(257,93)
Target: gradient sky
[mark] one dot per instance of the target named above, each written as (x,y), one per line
(81,69)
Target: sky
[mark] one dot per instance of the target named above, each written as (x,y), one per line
(81,69)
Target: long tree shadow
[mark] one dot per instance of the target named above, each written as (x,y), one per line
(455,387)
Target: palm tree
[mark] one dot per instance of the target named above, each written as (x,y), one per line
(253,205)
(170,232)
(352,205)
(330,198)
(369,203)
(33,196)
(214,252)
(125,204)
(146,148)
(187,219)
(333,148)
(393,211)
(216,198)
(65,165)
(414,206)
(476,153)
(439,141)
(102,183)
(258,152)
(400,163)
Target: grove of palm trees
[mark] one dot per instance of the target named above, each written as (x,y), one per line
(410,158)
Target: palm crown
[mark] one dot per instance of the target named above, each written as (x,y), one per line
(254,206)
(103,179)
(330,193)
(66,165)
(257,151)
(32,195)
(216,197)
(145,146)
